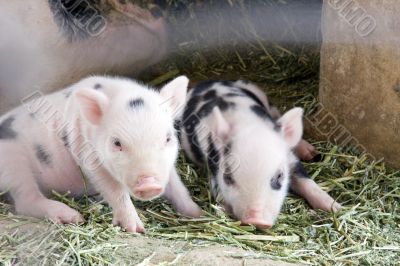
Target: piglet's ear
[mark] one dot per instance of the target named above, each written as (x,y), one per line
(92,104)
(174,93)
(292,126)
(221,129)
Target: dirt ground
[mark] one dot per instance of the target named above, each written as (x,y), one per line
(145,251)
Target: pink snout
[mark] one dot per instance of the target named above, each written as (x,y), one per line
(256,218)
(147,188)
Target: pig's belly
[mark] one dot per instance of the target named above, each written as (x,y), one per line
(63,176)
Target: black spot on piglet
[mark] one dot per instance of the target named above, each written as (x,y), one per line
(277,127)
(233,94)
(6,131)
(213,157)
(203,86)
(211,94)
(252,96)
(276,182)
(227,83)
(261,112)
(299,171)
(42,155)
(65,138)
(134,103)
(68,94)
(177,127)
(97,86)
(228,177)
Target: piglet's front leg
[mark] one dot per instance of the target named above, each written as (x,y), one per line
(179,196)
(127,217)
(304,186)
(124,212)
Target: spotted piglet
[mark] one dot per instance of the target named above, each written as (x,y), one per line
(117,132)
(249,149)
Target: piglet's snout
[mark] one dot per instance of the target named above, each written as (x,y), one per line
(255,217)
(147,188)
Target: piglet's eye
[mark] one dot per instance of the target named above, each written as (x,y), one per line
(117,144)
(169,138)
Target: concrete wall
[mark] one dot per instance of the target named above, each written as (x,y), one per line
(360,73)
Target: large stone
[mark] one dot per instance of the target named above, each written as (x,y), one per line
(360,75)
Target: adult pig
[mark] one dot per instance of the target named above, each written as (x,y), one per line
(49,44)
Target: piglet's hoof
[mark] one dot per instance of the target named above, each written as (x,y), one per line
(306,151)
(335,207)
(325,203)
(128,222)
(189,209)
(62,214)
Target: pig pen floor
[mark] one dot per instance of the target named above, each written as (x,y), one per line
(365,232)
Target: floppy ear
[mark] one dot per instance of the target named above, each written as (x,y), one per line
(174,93)
(92,104)
(220,128)
(292,126)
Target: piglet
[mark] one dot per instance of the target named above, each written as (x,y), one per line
(249,149)
(106,135)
